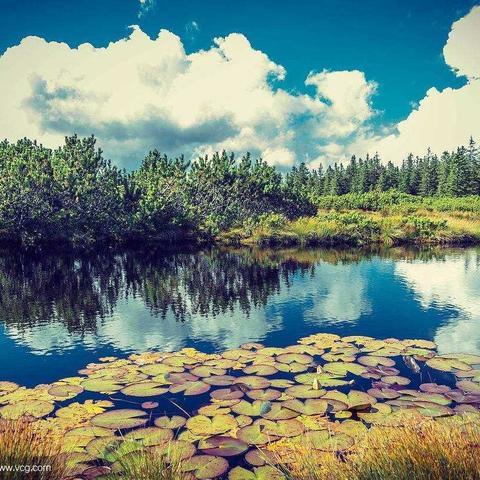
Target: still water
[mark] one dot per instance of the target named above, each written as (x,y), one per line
(60,312)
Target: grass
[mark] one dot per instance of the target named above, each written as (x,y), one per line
(23,449)
(147,465)
(420,450)
(428,222)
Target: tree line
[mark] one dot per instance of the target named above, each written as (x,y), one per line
(74,195)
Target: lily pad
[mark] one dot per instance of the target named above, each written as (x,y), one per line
(254,435)
(447,364)
(33,408)
(191,388)
(375,361)
(282,428)
(254,409)
(260,370)
(144,389)
(259,473)
(305,391)
(343,368)
(120,419)
(253,382)
(434,388)
(205,466)
(174,422)
(203,425)
(309,407)
(222,446)
(266,395)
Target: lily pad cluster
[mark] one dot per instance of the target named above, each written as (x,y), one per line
(326,390)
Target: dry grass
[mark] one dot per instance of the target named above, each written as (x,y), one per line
(148,465)
(24,449)
(425,450)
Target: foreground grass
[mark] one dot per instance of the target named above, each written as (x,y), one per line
(23,450)
(404,224)
(420,450)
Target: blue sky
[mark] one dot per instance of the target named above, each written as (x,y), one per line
(396,44)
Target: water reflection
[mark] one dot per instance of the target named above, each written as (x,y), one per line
(450,282)
(219,299)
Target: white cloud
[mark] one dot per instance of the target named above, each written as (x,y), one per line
(462,50)
(443,119)
(139,93)
(145,7)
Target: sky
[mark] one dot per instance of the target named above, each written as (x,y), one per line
(304,81)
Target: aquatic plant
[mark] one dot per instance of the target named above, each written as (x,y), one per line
(208,414)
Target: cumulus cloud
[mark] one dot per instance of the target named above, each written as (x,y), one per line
(443,119)
(140,93)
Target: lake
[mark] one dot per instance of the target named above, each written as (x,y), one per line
(60,312)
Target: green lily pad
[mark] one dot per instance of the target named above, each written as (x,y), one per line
(174,422)
(395,380)
(7,387)
(259,457)
(265,395)
(260,370)
(254,409)
(467,358)
(222,446)
(281,428)
(205,466)
(227,394)
(359,400)
(434,388)
(101,385)
(343,368)
(253,382)
(160,369)
(301,358)
(305,391)
(191,388)
(447,364)
(375,361)
(120,419)
(33,408)
(98,447)
(468,386)
(279,412)
(64,390)
(254,435)
(203,425)
(144,389)
(309,407)
(259,473)
(220,380)
(291,367)
(207,371)
(281,383)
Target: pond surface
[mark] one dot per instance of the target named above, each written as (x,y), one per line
(60,312)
